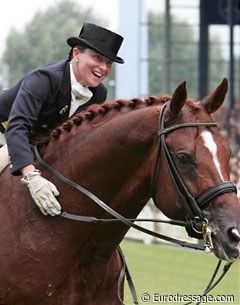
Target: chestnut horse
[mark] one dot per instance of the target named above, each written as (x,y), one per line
(110,150)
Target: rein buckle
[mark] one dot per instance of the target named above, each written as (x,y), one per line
(207,235)
(201,226)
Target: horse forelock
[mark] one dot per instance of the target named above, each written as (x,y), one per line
(195,111)
(191,111)
(101,112)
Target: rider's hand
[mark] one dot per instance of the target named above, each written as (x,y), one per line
(43,193)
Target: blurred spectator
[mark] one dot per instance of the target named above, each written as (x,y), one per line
(235,170)
(229,124)
(234,123)
(222,116)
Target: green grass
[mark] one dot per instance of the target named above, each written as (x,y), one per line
(167,270)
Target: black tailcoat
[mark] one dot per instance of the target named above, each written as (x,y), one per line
(40,100)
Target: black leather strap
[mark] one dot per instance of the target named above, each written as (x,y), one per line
(125,271)
(217,190)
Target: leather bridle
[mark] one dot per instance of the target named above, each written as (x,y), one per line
(193,206)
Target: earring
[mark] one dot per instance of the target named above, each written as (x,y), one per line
(76,60)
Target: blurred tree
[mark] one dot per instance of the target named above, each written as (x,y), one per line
(183,56)
(44,38)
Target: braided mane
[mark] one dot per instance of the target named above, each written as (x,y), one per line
(97,110)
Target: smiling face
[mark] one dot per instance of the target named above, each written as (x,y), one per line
(90,67)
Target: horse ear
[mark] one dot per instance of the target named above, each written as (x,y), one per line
(179,98)
(215,99)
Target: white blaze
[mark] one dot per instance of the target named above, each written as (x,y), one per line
(210,144)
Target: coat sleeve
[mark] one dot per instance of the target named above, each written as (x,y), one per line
(35,89)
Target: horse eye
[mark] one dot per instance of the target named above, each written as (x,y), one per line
(185,159)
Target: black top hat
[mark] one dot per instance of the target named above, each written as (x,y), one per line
(99,39)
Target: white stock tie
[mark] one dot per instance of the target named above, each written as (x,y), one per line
(80,95)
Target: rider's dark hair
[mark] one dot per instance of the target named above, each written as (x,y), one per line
(81,48)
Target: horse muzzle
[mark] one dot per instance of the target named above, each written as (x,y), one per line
(226,245)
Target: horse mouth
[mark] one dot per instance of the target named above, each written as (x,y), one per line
(220,252)
(228,249)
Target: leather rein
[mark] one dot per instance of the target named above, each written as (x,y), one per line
(193,206)
(117,217)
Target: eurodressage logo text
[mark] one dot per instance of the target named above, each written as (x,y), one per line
(175,298)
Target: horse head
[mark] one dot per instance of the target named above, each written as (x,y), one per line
(195,160)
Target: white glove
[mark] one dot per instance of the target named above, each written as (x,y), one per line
(43,193)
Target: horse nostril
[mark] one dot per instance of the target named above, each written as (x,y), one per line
(234,233)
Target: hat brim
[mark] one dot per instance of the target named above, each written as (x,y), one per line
(74,41)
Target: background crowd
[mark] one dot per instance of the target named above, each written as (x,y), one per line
(229,122)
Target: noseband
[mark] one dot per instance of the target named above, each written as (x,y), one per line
(192,205)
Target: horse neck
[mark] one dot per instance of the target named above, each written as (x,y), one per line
(112,159)
(113,152)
